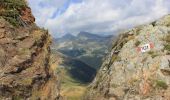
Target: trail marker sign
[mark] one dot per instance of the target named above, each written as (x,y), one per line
(145,47)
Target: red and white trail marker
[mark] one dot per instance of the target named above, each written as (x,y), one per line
(145,47)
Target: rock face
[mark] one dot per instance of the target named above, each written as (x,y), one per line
(128,73)
(27,16)
(25,71)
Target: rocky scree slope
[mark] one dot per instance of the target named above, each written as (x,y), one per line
(128,74)
(25,71)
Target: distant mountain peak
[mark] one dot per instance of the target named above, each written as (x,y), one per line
(68,35)
(83,33)
(88,35)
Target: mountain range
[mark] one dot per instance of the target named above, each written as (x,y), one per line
(86,47)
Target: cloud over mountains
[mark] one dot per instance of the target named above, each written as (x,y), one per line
(96,16)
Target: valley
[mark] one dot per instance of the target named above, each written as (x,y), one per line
(86,47)
(81,56)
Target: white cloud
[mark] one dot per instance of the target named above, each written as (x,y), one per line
(99,16)
(43,10)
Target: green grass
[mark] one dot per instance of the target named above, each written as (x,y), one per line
(11,10)
(153,54)
(167,47)
(138,31)
(11,4)
(168,24)
(71,89)
(115,57)
(167,44)
(167,38)
(161,84)
(137,43)
(11,20)
(24,51)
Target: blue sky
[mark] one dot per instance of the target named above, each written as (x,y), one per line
(96,16)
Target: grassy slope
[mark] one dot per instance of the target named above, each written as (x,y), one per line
(71,89)
(74,75)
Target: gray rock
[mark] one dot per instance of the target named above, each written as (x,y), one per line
(137,75)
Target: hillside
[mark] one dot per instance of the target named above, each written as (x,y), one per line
(138,66)
(25,64)
(76,69)
(86,47)
(74,76)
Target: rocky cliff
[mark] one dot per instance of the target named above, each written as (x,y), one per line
(25,65)
(138,66)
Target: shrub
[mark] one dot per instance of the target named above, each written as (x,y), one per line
(11,10)
(167,47)
(168,24)
(24,51)
(153,54)
(161,84)
(131,37)
(138,31)
(13,21)
(115,57)
(11,4)
(137,43)
(167,44)
(167,39)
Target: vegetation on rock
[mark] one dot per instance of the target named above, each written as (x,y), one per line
(167,44)
(11,10)
(161,84)
(25,64)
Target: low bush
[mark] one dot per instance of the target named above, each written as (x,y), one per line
(167,44)
(153,54)
(161,84)
(167,47)
(13,4)
(10,10)
(137,43)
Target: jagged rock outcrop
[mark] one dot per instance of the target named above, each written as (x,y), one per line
(128,73)
(25,65)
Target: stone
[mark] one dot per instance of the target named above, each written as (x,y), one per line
(2,23)
(137,75)
(2,33)
(118,92)
(6,41)
(22,34)
(26,43)
(2,57)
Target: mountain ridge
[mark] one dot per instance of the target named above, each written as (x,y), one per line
(87,47)
(137,66)
(77,69)
(25,63)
